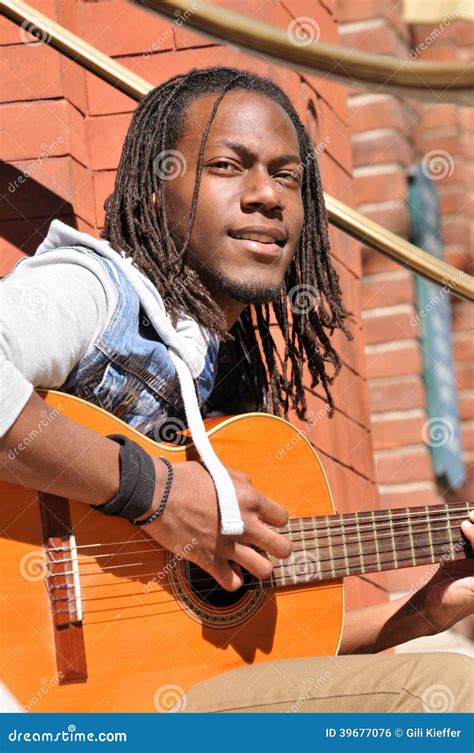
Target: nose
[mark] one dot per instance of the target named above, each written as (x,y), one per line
(262,190)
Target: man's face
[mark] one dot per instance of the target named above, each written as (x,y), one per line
(251,184)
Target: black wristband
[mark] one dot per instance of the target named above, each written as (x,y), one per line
(137,481)
(164,499)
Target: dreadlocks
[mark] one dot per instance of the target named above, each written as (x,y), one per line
(138,227)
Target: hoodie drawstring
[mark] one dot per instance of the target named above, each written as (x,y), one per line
(231,520)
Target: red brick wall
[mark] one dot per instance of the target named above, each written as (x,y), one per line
(71,126)
(388,135)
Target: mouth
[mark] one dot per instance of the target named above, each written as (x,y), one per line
(262,244)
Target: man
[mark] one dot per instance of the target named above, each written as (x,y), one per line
(217,206)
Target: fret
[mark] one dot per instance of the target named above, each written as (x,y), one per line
(344,545)
(390,523)
(430,534)
(291,564)
(377,552)
(452,548)
(331,551)
(359,541)
(410,536)
(305,555)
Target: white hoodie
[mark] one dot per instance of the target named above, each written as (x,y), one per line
(187,343)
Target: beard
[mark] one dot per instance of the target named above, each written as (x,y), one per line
(250,292)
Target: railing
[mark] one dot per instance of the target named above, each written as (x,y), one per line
(340,215)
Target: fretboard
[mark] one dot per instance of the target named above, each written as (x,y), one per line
(333,546)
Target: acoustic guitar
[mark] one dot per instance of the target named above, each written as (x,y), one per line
(97,617)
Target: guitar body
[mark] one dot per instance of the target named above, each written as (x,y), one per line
(130,628)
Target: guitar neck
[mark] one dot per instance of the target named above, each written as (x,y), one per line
(333,546)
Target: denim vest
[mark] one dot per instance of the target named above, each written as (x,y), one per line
(129,372)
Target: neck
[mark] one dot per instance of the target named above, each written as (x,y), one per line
(333,546)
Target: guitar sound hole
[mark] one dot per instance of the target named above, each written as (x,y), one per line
(210,592)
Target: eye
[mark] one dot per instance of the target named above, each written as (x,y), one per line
(291,178)
(220,162)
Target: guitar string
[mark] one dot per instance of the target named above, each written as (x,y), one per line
(256,583)
(316,526)
(394,532)
(285,563)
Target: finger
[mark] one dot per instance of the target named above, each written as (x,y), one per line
(468,529)
(223,572)
(271,512)
(266,538)
(252,561)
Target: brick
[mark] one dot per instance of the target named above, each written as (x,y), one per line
(438,116)
(390,432)
(349,11)
(409,495)
(83,192)
(107,27)
(378,148)
(105,138)
(464,372)
(451,201)
(45,193)
(400,361)
(58,131)
(350,491)
(454,230)
(373,262)
(381,111)
(467,435)
(381,187)
(446,142)
(376,38)
(466,406)
(11,33)
(403,466)
(22,237)
(391,290)
(339,437)
(396,394)
(335,135)
(393,216)
(30,73)
(350,395)
(387,328)
(462,316)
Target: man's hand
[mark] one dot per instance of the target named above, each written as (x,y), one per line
(449,595)
(192,513)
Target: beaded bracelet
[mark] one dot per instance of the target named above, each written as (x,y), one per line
(164,498)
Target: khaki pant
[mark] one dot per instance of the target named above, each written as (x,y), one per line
(431,682)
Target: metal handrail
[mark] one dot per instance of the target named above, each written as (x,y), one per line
(340,215)
(427,81)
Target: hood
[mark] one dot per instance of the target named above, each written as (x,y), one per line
(187,345)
